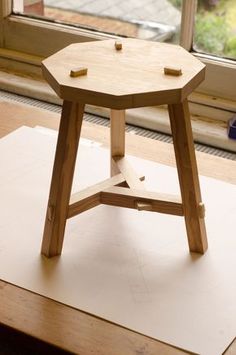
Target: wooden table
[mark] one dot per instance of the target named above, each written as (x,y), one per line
(125,75)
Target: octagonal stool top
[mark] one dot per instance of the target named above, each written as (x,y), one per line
(133,73)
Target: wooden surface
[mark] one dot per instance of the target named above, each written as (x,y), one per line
(72,330)
(63,326)
(62,178)
(131,77)
(188,176)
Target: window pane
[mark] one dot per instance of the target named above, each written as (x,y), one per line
(215,28)
(157,20)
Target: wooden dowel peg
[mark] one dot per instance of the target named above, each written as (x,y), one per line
(78,72)
(118,45)
(142,206)
(201,210)
(50,213)
(173,71)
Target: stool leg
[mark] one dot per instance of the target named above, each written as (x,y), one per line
(117,137)
(62,178)
(188,176)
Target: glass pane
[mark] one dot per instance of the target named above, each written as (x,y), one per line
(157,20)
(215,28)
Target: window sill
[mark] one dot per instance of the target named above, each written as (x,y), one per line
(209,130)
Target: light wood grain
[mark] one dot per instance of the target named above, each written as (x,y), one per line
(62,177)
(188,176)
(117,137)
(123,197)
(129,78)
(128,172)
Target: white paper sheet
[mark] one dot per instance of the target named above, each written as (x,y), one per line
(130,267)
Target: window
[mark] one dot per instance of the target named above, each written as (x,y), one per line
(25,40)
(41,38)
(146,19)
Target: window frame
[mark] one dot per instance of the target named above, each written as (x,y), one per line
(220,72)
(27,35)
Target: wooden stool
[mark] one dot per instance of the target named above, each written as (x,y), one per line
(123,75)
